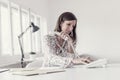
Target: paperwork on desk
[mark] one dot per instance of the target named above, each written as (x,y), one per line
(35,71)
(3,70)
(97,63)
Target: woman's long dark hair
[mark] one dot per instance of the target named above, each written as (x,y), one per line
(67,16)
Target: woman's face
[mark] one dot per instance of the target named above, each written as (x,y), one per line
(68,26)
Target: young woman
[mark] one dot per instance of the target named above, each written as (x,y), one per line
(60,46)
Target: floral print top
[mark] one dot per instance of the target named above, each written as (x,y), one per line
(56,54)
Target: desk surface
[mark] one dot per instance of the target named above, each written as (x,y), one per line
(76,73)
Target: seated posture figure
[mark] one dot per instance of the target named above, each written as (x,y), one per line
(60,45)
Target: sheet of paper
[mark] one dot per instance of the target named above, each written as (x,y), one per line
(35,71)
(3,70)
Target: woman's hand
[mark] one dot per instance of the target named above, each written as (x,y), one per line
(84,60)
(66,37)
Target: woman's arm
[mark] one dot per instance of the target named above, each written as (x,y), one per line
(50,54)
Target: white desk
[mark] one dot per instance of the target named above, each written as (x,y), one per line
(112,72)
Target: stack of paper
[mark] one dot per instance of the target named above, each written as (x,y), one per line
(34,71)
(97,63)
(3,70)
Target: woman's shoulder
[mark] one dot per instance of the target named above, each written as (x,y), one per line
(50,39)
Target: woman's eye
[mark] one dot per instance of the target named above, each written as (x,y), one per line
(68,24)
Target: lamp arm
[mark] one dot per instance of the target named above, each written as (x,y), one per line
(23,32)
(22,54)
(21,47)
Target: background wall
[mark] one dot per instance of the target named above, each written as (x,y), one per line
(98,25)
(37,6)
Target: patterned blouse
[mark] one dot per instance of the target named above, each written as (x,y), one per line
(56,54)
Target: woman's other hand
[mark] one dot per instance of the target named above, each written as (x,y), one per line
(84,60)
(66,37)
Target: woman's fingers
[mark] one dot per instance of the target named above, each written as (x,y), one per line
(81,60)
(64,35)
(86,60)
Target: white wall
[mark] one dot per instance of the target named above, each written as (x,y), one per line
(98,23)
(40,7)
(98,27)
(37,6)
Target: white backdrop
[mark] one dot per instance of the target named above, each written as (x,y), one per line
(37,6)
(98,23)
(98,27)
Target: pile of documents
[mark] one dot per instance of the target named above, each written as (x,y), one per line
(35,71)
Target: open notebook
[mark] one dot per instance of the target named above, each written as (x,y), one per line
(35,71)
(97,63)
